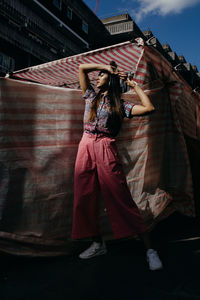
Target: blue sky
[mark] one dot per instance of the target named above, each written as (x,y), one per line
(175,22)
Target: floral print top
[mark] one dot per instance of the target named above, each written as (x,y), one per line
(104,122)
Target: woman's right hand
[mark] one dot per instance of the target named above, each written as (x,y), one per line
(84,69)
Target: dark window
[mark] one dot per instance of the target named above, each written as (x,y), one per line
(84,26)
(57,3)
(69,13)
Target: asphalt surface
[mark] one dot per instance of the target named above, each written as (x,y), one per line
(120,274)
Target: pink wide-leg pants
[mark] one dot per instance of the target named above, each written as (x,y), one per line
(98,168)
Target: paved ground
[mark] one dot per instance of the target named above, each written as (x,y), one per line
(121,274)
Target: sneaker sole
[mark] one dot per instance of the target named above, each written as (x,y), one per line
(93,255)
(156,269)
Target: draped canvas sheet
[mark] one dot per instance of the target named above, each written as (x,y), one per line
(147,64)
(40,130)
(65,71)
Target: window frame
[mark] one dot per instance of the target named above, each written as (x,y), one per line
(84,23)
(60,4)
(69,9)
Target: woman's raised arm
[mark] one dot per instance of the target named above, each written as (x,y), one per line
(84,69)
(146,105)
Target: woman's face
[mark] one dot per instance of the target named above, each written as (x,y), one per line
(102,80)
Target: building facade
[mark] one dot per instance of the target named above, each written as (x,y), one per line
(123,28)
(38,31)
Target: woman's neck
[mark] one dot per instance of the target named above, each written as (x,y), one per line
(104,91)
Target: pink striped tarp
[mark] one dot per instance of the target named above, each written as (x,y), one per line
(41,126)
(65,71)
(146,62)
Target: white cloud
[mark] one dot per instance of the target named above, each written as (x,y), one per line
(161,7)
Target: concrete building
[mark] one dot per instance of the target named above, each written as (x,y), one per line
(37,31)
(122,28)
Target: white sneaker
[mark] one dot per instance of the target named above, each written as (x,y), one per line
(153,260)
(95,249)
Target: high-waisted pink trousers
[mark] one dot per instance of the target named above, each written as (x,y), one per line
(98,168)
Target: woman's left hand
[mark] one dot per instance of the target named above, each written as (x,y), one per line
(131,83)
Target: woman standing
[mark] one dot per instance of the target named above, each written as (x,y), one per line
(98,166)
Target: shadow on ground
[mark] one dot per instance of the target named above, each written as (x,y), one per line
(121,274)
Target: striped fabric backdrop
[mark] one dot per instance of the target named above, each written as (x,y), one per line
(41,126)
(65,71)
